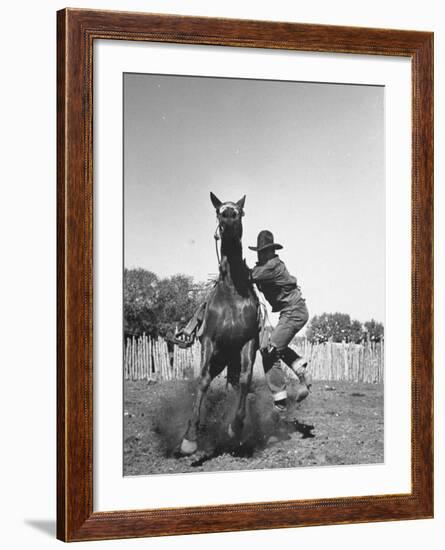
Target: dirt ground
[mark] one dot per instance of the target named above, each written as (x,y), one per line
(339,423)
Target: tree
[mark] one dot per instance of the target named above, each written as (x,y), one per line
(329,326)
(157,306)
(336,327)
(175,304)
(140,295)
(374,330)
(356,332)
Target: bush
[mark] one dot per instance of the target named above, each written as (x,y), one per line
(338,327)
(158,306)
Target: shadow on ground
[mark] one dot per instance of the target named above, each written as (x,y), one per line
(347,422)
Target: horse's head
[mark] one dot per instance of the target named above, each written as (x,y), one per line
(229,216)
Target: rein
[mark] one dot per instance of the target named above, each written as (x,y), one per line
(267,322)
(217,237)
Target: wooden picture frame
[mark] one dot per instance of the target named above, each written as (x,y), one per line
(76,32)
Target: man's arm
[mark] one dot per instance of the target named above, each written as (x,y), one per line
(263,273)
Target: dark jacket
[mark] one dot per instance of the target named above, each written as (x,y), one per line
(275,282)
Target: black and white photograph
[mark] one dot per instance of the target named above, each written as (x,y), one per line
(223,274)
(254,274)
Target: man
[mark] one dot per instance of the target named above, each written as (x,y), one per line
(283,294)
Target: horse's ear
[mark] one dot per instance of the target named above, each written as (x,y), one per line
(241,202)
(215,201)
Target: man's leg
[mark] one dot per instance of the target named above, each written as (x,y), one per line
(291,322)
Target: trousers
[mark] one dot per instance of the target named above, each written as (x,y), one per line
(275,346)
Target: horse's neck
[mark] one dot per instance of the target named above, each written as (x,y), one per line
(231,249)
(233,270)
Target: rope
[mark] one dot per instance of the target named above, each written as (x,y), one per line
(263,307)
(217,237)
(266,315)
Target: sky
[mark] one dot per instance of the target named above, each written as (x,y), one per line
(308,156)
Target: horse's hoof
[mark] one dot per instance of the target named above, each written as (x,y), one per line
(230,431)
(188,447)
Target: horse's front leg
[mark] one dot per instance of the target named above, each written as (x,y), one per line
(248,353)
(189,443)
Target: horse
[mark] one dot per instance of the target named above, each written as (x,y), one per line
(229,334)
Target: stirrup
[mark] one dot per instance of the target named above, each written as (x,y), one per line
(183,341)
(280,406)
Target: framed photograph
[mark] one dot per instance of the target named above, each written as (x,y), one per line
(245,275)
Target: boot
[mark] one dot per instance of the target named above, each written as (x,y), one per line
(299,367)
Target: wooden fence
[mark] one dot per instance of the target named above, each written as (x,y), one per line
(351,362)
(149,359)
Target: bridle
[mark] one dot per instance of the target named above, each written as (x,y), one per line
(217,234)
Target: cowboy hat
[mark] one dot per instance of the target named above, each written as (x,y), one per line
(265,240)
